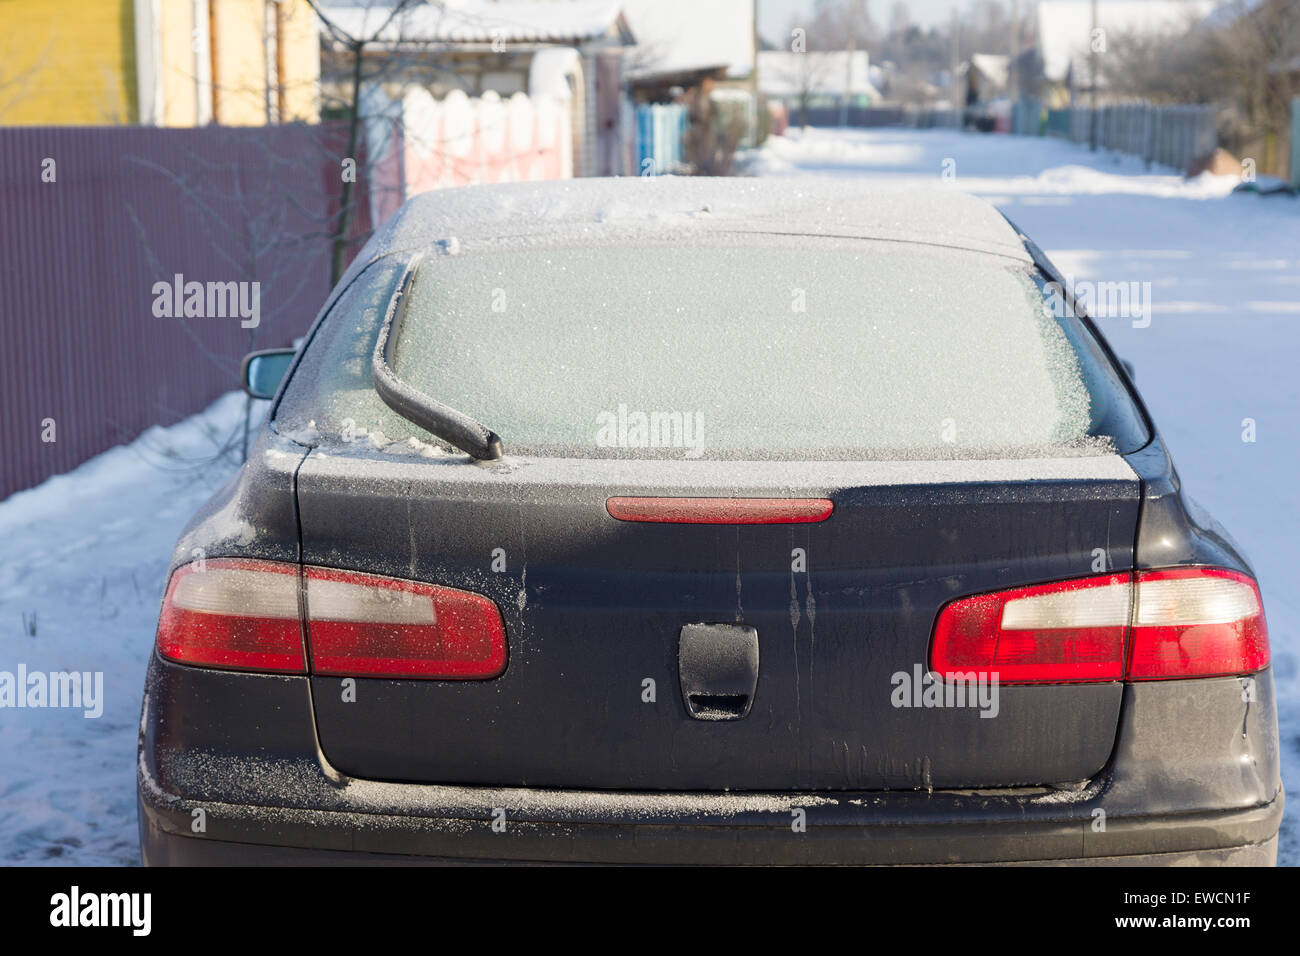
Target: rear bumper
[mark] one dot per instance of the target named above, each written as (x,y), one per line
(845,836)
(230,772)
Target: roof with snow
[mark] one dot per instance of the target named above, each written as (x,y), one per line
(483,21)
(994,67)
(593,209)
(681,36)
(1065,27)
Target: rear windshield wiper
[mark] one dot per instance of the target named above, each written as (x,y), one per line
(451,426)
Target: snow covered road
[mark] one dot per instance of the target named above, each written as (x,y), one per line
(82,568)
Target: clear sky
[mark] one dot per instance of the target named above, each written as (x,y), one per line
(774,15)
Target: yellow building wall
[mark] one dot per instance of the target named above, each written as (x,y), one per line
(73,62)
(239,70)
(244,39)
(177,62)
(301,63)
(67,62)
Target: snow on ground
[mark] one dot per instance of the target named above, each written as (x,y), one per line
(1223,344)
(86,552)
(83,567)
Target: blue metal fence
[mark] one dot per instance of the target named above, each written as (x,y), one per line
(660,137)
(1174,135)
(1027,117)
(1295,142)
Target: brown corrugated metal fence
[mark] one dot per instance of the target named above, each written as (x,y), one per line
(92,218)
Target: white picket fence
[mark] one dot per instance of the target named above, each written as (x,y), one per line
(417,143)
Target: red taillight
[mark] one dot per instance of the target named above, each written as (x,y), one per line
(1050,633)
(721,510)
(235,613)
(244,614)
(1197,622)
(366,625)
(1185,622)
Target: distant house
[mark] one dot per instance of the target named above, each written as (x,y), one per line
(984,86)
(690,81)
(568,48)
(816,79)
(173,63)
(679,43)
(986,77)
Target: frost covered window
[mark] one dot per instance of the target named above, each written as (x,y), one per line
(740,347)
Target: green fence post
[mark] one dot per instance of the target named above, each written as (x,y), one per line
(1295,142)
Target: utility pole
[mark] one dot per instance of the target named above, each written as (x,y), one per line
(848,64)
(1013,71)
(753,78)
(958,100)
(1092,81)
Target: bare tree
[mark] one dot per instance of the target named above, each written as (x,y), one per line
(837,23)
(398,53)
(248,224)
(1255,63)
(1246,61)
(355,47)
(1167,66)
(806,71)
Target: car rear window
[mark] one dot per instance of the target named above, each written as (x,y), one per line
(727,347)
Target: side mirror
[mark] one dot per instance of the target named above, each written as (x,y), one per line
(1129,370)
(263,371)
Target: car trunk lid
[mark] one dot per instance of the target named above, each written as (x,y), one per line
(599,614)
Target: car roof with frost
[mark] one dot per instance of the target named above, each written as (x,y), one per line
(628,207)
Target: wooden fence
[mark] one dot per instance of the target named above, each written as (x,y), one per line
(1173,135)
